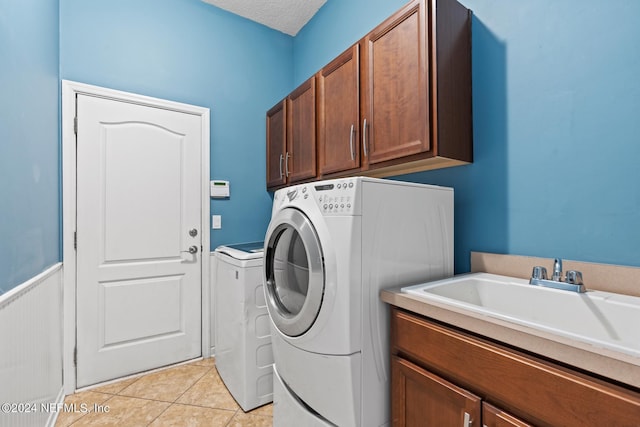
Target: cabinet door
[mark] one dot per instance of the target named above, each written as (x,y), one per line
(339,113)
(420,398)
(300,159)
(395,87)
(494,417)
(276,145)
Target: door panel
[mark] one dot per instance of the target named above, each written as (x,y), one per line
(126,147)
(124,301)
(138,195)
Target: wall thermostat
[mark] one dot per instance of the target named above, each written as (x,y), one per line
(219,189)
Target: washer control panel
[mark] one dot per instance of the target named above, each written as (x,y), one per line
(335,197)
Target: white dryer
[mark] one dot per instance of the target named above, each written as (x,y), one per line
(330,247)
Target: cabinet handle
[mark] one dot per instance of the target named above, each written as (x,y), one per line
(281,159)
(351,144)
(467,420)
(364,137)
(286,165)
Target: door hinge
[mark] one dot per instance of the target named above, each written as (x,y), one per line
(75,356)
(75,125)
(75,240)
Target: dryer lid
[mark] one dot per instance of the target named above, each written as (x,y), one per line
(243,251)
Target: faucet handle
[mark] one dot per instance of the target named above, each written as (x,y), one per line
(557,270)
(574,277)
(539,272)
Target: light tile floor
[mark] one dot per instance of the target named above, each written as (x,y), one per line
(187,395)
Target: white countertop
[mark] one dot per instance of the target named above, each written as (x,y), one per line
(607,363)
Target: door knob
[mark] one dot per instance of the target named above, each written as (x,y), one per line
(192,249)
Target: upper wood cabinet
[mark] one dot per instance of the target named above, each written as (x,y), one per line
(398,101)
(339,113)
(416,89)
(395,92)
(276,144)
(301,132)
(291,137)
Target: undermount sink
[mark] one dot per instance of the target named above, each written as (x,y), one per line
(602,319)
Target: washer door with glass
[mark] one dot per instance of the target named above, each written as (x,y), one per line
(294,270)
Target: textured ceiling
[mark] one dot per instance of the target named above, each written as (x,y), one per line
(288,16)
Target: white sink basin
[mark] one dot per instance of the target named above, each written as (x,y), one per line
(602,319)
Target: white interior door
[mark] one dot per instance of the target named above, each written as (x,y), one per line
(138,213)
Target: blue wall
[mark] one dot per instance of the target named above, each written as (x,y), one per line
(191,52)
(29,153)
(556,101)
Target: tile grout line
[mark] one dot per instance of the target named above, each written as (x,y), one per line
(171,403)
(182,394)
(208,369)
(232,417)
(111,396)
(194,383)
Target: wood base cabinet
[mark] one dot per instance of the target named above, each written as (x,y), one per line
(442,376)
(421,398)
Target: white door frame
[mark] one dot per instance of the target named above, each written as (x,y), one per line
(69,197)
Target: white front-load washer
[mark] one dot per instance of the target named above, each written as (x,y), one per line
(330,247)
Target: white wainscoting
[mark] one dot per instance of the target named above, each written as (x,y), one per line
(31,350)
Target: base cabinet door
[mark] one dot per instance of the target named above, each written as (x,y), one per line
(422,399)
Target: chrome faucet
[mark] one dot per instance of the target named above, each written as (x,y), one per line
(572,282)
